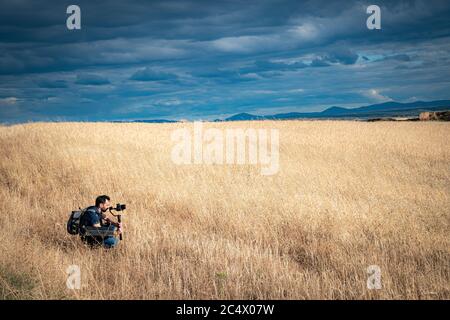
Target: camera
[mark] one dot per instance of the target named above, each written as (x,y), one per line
(119,207)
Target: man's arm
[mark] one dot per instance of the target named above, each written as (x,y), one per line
(107,219)
(92,219)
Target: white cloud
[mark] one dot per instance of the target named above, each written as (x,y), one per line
(307,31)
(299,90)
(169,102)
(376,95)
(9,100)
(245,44)
(251,75)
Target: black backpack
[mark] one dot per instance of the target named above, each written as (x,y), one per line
(73,224)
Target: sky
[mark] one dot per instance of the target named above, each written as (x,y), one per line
(203,60)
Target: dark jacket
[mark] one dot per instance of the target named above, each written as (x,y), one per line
(91,216)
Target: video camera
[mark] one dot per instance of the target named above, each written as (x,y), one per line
(119,207)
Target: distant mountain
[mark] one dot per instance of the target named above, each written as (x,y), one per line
(156,121)
(386,109)
(336,110)
(244,116)
(374,111)
(149,121)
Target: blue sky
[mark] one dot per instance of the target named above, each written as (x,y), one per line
(211,59)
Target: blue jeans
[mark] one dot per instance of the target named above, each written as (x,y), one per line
(110,242)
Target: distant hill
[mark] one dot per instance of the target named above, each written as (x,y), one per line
(374,111)
(387,109)
(244,116)
(156,121)
(149,121)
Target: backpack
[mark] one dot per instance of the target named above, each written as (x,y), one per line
(73,224)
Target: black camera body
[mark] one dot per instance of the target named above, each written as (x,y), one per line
(119,207)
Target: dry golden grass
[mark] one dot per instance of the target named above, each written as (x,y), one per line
(348,195)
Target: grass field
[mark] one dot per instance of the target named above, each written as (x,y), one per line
(347,195)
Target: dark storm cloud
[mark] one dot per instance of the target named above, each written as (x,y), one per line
(117,32)
(343,56)
(224,76)
(263,66)
(399,57)
(147,74)
(52,84)
(207,58)
(320,62)
(91,79)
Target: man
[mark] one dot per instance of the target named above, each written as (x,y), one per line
(95,216)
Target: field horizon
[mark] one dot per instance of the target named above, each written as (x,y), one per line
(348,195)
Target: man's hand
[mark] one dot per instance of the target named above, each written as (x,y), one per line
(110,221)
(117,224)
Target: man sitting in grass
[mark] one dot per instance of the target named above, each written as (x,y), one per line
(94,224)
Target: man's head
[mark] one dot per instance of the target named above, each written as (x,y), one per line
(102,202)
